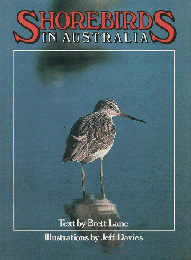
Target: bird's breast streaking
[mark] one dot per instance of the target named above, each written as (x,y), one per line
(91,137)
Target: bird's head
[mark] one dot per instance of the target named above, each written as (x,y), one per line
(110,107)
(107,106)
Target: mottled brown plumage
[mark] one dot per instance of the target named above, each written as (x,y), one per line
(92,136)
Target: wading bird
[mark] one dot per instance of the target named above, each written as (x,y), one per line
(92,136)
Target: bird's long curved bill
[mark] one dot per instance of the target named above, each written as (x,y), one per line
(132,118)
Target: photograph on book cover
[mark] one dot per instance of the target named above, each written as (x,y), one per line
(95,115)
(139,169)
(137,191)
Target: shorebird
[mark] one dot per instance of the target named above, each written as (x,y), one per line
(92,136)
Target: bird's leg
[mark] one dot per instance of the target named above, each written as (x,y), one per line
(101,179)
(83,173)
(83,180)
(101,173)
(83,187)
(102,189)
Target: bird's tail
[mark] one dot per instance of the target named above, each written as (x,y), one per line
(65,159)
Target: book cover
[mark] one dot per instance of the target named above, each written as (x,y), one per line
(95,100)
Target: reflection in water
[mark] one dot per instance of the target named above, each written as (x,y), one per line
(101,211)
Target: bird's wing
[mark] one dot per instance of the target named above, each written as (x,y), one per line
(88,135)
(75,141)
